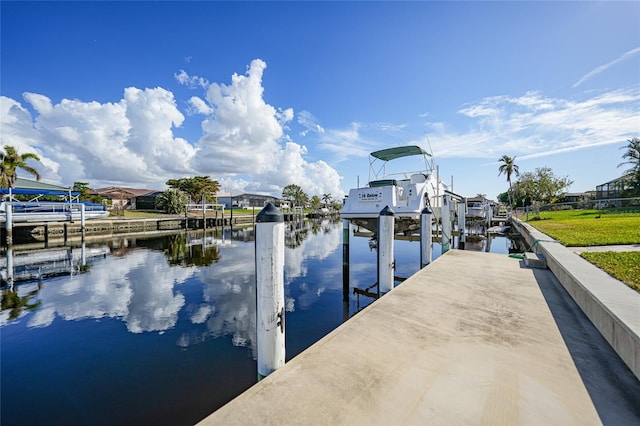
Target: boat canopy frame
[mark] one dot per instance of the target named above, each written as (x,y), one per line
(69,195)
(378,170)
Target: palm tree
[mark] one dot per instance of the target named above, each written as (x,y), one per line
(172,201)
(509,168)
(294,194)
(632,155)
(326,198)
(10,161)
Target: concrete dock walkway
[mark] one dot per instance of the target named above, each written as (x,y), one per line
(474,338)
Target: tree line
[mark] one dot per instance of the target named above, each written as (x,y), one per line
(296,197)
(543,186)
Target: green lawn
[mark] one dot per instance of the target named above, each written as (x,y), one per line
(579,228)
(598,228)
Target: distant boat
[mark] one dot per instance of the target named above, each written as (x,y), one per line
(406,193)
(35,210)
(51,211)
(476,208)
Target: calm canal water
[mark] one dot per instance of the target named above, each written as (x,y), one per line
(161,330)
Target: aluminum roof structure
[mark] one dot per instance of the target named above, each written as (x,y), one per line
(32,187)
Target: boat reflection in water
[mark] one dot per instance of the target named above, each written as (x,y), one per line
(18,266)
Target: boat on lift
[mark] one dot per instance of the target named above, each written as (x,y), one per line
(407,193)
(69,208)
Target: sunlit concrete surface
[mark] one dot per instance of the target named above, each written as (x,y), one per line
(611,306)
(474,338)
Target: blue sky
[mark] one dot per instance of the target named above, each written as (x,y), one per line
(262,94)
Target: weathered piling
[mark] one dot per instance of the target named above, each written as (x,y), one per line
(82,219)
(386,263)
(425,237)
(462,213)
(445,218)
(270,311)
(488,215)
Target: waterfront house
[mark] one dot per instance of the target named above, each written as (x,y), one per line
(614,188)
(247,201)
(123,198)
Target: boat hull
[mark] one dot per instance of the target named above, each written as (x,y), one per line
(406,198)
(51,212)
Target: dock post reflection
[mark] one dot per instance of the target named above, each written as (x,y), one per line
(10,267)
(345,269)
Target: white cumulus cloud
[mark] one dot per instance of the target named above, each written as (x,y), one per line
(133,141)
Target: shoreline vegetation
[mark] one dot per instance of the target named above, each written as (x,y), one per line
(585,228)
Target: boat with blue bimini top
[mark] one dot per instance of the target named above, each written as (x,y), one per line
(68,208)
(407,193)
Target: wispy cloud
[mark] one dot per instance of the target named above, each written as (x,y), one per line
(531,125)
(309,122)
(597,70)
(191,81)
(534,125)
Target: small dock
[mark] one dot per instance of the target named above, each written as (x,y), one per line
(474,338)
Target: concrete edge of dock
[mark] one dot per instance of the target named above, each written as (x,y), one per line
(609,304)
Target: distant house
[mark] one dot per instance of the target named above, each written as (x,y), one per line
(247,201)
(573,197)
(145,201)
(613,189)
(123,198)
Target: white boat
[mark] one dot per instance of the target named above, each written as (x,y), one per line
(51,211)
(69,208)
(476,210)
(406,193)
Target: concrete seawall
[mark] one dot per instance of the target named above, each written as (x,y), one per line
(33,231)
(611,306)
(26,232)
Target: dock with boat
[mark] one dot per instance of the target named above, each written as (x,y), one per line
(406,193)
